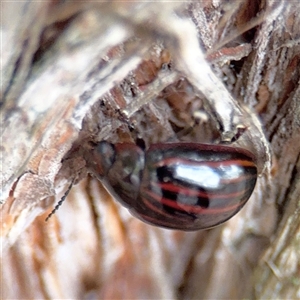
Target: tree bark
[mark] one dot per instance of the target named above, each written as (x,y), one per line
(78,73)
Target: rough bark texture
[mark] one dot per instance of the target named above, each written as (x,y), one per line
(79,73)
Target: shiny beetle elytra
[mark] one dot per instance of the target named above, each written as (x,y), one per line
(184,186)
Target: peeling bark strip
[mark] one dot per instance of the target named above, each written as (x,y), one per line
(78,73)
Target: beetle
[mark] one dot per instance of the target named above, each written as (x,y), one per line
(185,186)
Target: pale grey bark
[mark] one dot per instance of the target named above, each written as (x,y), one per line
(73,74)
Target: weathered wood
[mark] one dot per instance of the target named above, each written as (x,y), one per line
(80,73)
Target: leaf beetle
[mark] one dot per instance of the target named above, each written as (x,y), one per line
(185,186)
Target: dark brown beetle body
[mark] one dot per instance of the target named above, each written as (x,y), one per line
(184,186)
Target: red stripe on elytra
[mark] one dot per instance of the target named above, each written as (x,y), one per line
(160,222)
(192,208)
(159,211)
(154,208)
(229,181)
(214,164)
(190,192)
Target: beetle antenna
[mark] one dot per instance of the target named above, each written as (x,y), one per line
(60,201)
